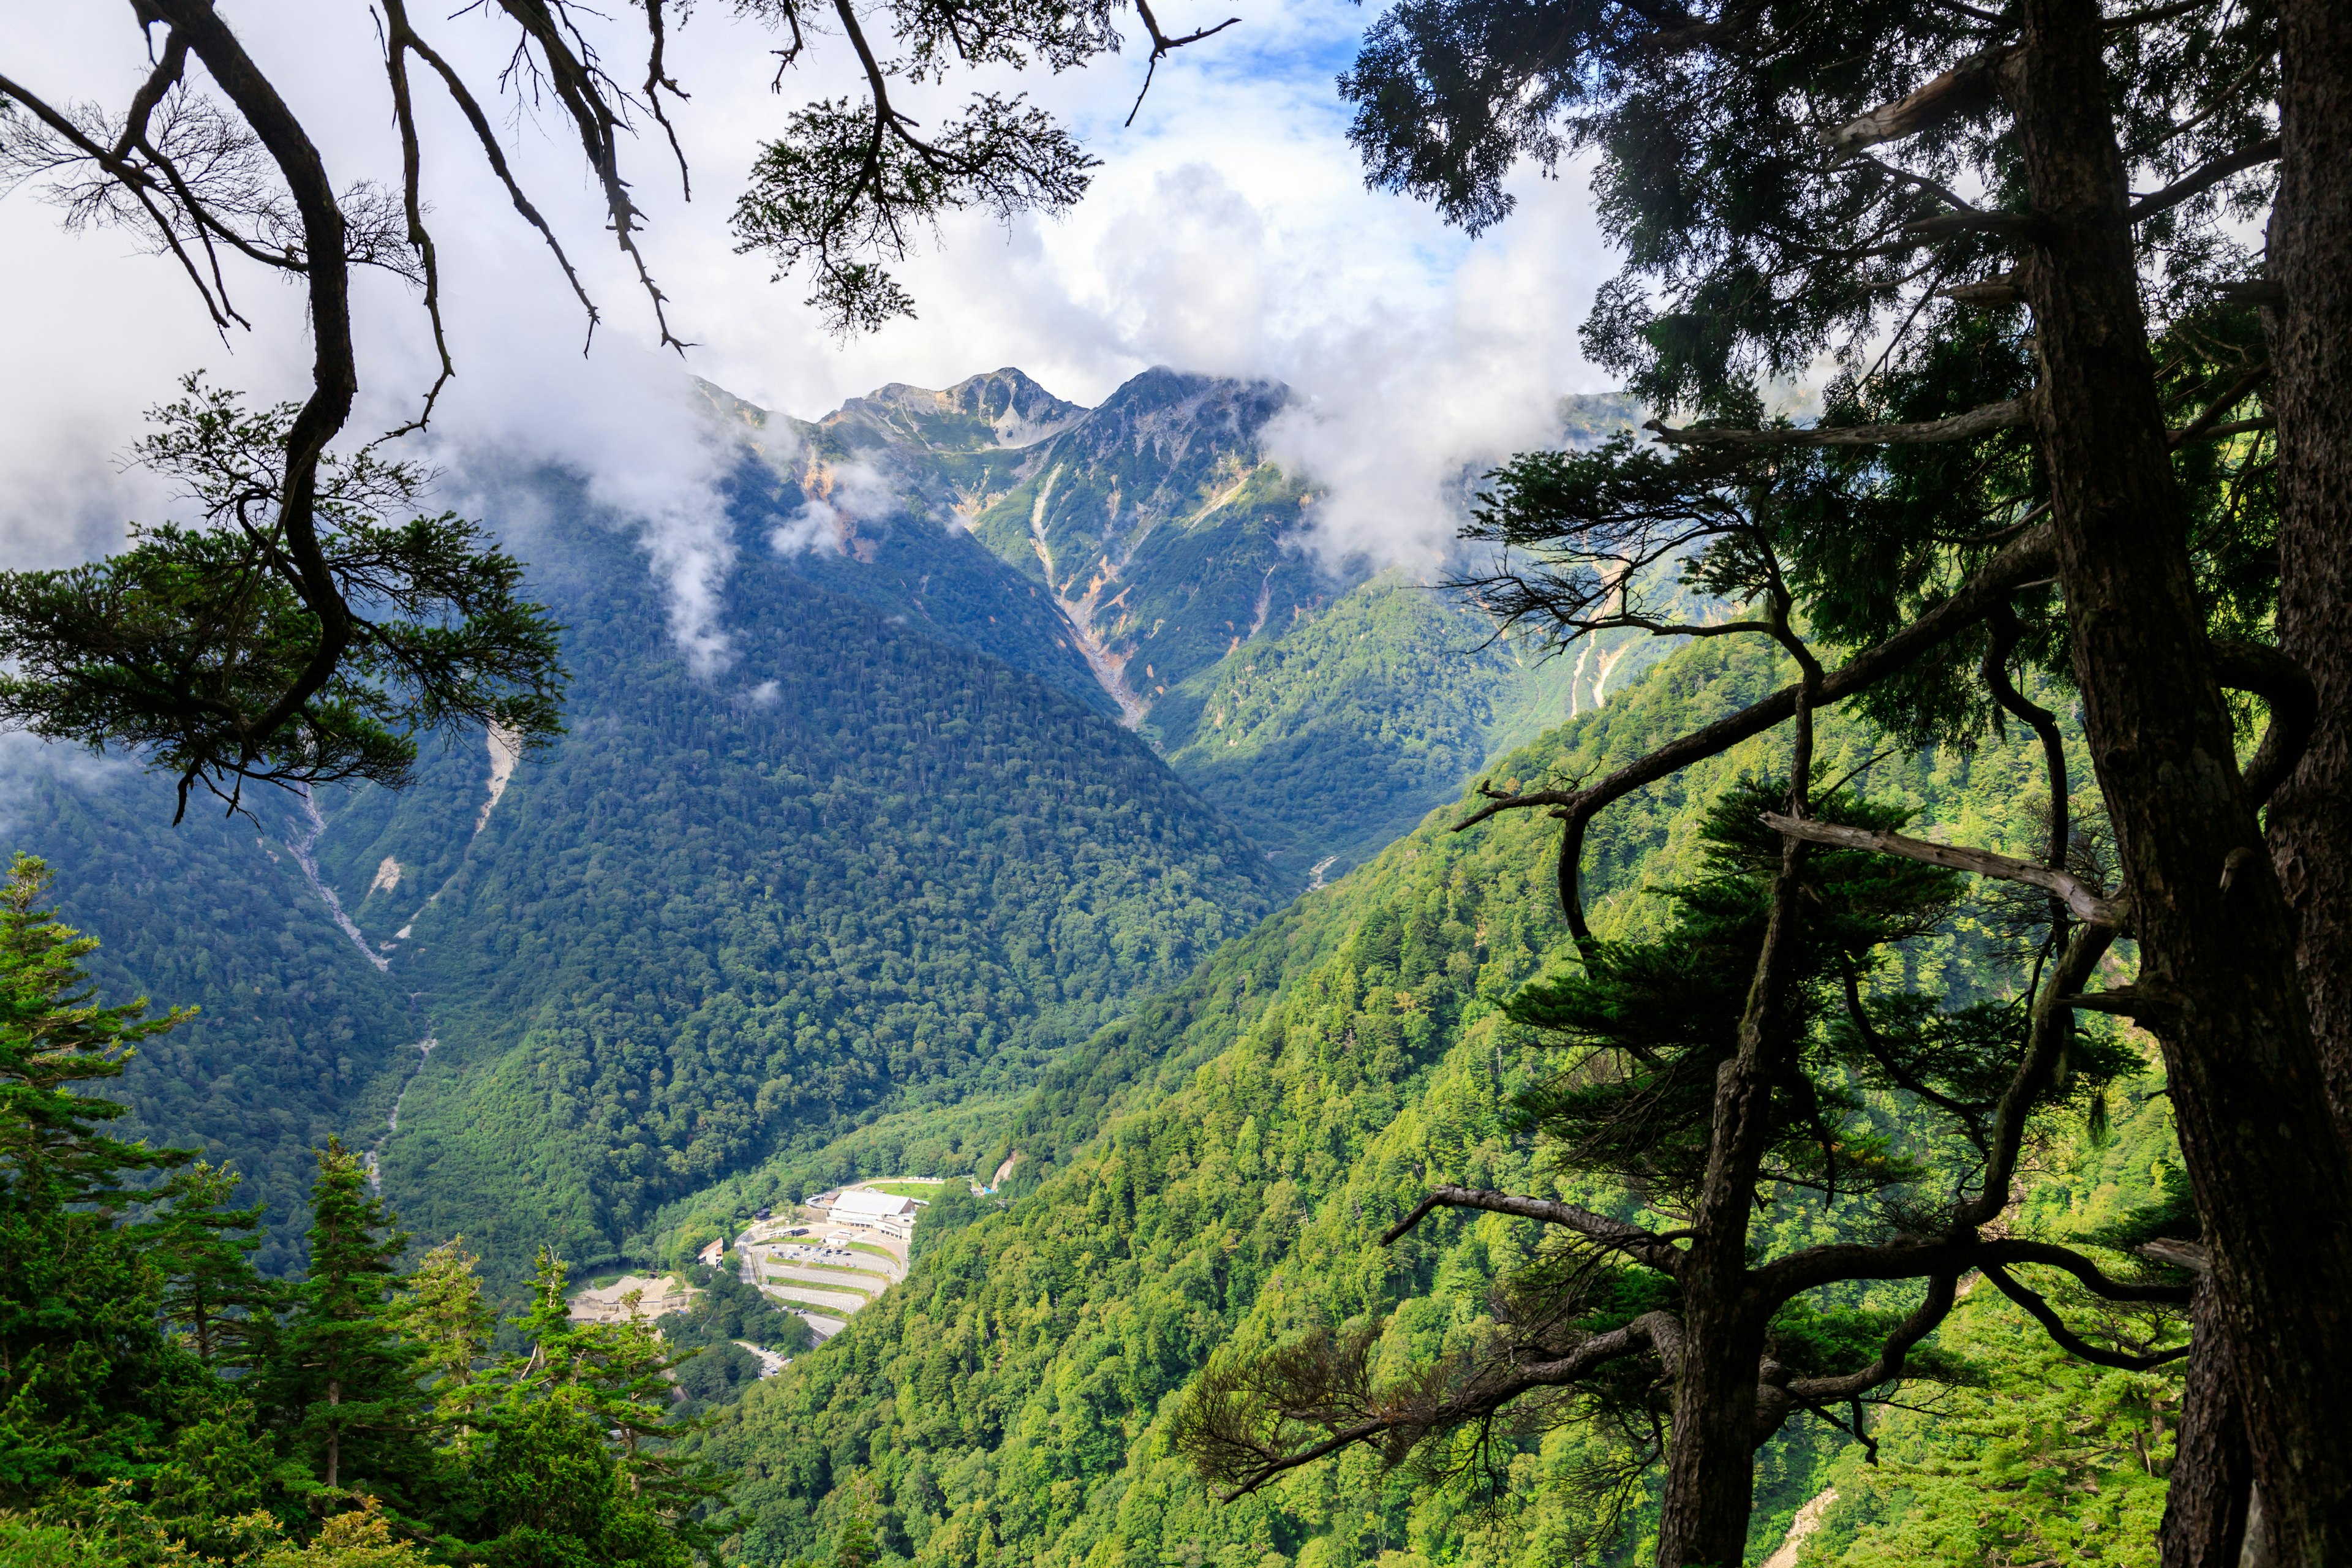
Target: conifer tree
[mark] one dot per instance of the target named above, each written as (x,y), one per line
(341,1379)
(212,1292)
(2074,183)
(573,1444)
(444,1319)
(1712,1074)
(89,1384)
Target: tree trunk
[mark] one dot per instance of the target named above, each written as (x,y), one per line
(2311,342)
(2268,1167)
(1711,1462)
(2205,1514)
(2310,345)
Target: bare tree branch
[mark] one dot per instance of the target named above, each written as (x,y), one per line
(1644,1247)
(658,81)
(1655,1333)
(2229,397)
(404,36)
(588,100)
(1978,422)
(2068,1340)
(2200,180)
(2086,903)
(139,186)
(1942,1291)
(2026,558)
(2285,688)
(1162,43)
(2040,720)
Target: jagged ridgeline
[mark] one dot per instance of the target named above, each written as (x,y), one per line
(1322,706)
(859,864)
(1214,1173)
(907,838)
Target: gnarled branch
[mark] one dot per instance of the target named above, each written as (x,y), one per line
(1644,1247)
(2026,558)
(2200,180)
(2006,415)
(2042,1313)
(1162,43)
(2285,686)
(2086,903)
(1655,1333)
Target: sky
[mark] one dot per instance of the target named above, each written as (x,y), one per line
(1227,231)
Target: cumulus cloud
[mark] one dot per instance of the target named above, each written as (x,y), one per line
(1229,231)
(1394,413)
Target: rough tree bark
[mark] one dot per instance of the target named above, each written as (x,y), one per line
(2218,983)
(2310,827)
(1710,1488)
(2311,342)
(2205,1512)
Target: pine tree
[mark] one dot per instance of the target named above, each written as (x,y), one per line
(573,1454)
(1712,1074)
(444,1319)
(1786,183)
(212,1292)
(89,1384)
(53,1034)
(342,1382)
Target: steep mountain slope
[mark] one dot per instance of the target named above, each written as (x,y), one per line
(719,921)
(1216,1169)
(887,861)
(1323,708)
(1335,737)
(864,866)
(299,1036)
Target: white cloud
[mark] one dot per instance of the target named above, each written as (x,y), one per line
(841,496)
(1229,230)
(25,760)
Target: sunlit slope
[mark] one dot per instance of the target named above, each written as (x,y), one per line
(730,913)
(872,857)
(1224,1178)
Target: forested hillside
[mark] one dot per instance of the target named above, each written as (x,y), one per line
(1214,1173)
(1321,705)
(716,923)
(865,866)
(299,1036)
(876,866)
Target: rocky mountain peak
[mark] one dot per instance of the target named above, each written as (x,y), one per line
(1020,411)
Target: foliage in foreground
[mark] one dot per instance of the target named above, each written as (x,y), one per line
(1224,1181)
(162,1403)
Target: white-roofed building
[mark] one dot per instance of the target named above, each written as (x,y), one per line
(875,1211)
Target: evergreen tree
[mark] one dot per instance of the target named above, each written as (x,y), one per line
(53,1034)
(1786,183)
(572,1465)
(212,1292)
(90,1382)
(341,1380)
(444,1319)
(1724,1069)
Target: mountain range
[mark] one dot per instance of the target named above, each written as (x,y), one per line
(1050,811)
(1026,708)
